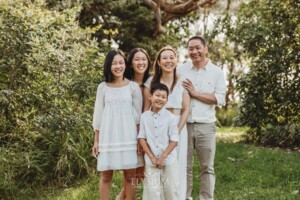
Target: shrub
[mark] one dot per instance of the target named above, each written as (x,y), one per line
(268,34)
(48,78)
(226,117)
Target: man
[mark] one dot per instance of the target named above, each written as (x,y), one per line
(206,85)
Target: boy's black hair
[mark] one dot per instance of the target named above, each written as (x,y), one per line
(159,86)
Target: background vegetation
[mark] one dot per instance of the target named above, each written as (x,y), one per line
(49,72)
(50,64)
(267,34)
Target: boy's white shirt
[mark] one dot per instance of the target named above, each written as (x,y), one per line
(159,129)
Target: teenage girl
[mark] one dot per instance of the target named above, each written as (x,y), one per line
(116,116)
(138,71)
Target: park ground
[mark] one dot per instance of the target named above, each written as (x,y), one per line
(243,171)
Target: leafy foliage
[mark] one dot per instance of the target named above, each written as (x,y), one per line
(130,24)
(268,32)
(226,117)
(49,72)
(137,30)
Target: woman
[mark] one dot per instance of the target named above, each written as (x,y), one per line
(178,103)
(116,116)
(138,71)
(138,66)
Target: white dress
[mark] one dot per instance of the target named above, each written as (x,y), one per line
(116,114)
(175,102)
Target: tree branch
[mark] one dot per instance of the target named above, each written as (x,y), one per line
(155,6)
(172,10)
(178,8)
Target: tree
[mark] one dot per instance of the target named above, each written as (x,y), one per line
(268,33)
(167,10)
(132,23)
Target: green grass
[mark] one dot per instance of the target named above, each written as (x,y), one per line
(249,172)
(242,172)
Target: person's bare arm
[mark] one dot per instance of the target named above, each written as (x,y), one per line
(147,103)
(95,149)
(147,150)
(185,111)
(203,97)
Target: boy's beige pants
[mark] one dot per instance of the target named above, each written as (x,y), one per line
(161,183)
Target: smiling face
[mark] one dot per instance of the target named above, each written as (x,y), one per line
(118,66)
(167,61)
(197,51)
(139,62)
(158,99)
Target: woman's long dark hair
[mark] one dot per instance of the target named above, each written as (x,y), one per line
(157,68)
(108,63)
(129,72)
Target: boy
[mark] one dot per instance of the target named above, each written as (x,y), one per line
(158,137)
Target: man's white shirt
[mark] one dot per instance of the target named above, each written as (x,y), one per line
(208,79)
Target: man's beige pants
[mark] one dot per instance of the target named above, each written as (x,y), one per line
(202,137)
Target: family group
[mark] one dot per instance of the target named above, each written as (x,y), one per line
(148,124)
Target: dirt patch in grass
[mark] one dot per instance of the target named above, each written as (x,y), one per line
(230,137)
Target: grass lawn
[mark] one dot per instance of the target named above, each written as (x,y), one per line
(242,172)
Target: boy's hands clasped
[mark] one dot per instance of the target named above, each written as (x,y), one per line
(153,160)
(158,162)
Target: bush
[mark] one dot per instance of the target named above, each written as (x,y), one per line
(48,78)
(281,136)
(268,34)
(226,117)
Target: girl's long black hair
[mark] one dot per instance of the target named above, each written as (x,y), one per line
(108,62)
(129,72)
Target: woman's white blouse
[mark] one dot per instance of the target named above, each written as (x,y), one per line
(175,97)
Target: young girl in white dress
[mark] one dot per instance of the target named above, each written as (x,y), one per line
(116,116)
(138,67)
(178,103)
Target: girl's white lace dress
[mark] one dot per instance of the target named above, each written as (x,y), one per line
(116,115)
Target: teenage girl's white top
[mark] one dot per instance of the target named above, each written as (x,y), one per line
(175,101)
(174,98)
(116,115)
